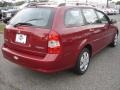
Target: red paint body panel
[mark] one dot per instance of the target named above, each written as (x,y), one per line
(34,54)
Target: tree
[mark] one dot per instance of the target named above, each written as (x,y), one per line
(4,4)
(118,3)
(19,3)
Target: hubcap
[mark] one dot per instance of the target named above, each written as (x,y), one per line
(84,61)
(116,40)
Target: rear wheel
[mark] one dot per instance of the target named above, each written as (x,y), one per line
(115,41)
(82,62)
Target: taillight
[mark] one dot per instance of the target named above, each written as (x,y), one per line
(54,46)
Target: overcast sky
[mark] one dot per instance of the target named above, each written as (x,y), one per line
(97,1)
(101,1)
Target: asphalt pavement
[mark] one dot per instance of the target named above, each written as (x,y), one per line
(103,74)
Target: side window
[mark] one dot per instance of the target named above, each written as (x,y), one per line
(73,18)
(102,17)
(90,16)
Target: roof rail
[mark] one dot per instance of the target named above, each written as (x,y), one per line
(53,3)
(74,4)
(42,4)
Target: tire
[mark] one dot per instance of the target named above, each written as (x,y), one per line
(82,62)
(115,41)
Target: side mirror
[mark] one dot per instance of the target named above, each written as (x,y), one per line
(112,21)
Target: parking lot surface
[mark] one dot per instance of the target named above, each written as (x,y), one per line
(103,74)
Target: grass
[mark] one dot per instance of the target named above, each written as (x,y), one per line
(2,25)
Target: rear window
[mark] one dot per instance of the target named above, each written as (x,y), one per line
(40,17)
(73,18)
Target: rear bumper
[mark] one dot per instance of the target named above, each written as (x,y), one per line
(49,64)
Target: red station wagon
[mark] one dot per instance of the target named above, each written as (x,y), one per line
(50,38)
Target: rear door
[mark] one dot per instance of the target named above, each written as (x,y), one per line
(71,34)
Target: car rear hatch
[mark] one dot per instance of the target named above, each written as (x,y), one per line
(32,38)
(27,40)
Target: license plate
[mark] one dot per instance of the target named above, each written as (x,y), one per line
(21,38)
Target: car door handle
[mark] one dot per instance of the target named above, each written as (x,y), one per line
(97,31)
(91,30)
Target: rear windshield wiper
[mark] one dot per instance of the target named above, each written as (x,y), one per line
(26,22)
(22,23)
(35,19)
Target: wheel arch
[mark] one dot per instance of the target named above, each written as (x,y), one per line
(86,44)
(89,47)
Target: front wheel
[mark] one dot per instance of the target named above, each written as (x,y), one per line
(82,62)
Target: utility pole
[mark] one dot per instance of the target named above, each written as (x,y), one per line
(86,1)
(65,1)
(2,1)
(107,4)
